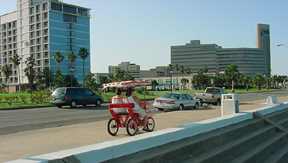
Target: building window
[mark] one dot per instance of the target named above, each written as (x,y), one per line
(45,32)
(44,6)
(70,9)
(38,26)
(38,40)
(69,18)
(46,55)
(37,8)
(83,12)
(45,24)
(14,24)
(56,6)
(45,16)
(38,33)
(38,17)
(31,19)
(32,27)
(31,10)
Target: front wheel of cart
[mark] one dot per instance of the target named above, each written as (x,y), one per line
(112,127)
(150,125)
(132,127)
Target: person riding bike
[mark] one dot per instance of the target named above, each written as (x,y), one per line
(133,99)
(119,99)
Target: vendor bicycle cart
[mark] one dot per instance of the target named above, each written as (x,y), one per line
(129,119)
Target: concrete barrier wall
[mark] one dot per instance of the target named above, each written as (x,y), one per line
(125,146)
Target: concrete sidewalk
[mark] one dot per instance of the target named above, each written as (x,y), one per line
(35,142)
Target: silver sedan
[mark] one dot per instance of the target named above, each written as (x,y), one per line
(172,101)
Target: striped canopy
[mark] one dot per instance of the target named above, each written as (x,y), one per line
(127,84)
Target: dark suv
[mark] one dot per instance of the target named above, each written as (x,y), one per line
(73,96)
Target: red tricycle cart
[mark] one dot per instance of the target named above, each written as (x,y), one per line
(129,119)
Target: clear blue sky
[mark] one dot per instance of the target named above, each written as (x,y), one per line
(142,31)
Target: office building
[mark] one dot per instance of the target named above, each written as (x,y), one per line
(159,71)
(215,59)
(263,42)
(131,68)
(41,28)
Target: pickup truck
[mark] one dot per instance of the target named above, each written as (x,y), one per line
(212,95)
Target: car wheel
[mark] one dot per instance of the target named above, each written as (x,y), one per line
(181,107)
(196,105)
(73,104)
(59,106)
(218,103)
(98,102)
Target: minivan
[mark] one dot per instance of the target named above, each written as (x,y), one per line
(74,96)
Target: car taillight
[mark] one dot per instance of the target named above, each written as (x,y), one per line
(170,102)
(166,101)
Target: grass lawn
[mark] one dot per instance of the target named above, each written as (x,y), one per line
(22,100)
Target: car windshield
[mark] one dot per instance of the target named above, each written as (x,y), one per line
(212,90)
(59,91)
(171,95)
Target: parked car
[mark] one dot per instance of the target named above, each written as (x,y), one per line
(212,95)
(172,101)
(73,96)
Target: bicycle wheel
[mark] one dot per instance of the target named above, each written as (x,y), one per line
(131,127)
(150,125)
(112,127)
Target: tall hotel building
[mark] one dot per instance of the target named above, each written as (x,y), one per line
(250,61)
(41,28)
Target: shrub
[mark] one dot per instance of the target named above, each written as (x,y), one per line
(40,97)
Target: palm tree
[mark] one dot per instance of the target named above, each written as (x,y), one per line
(71,59)
(184,82)
(171,69)
(83,54)
(16,61)
(188,71)
(7,70)
(30,71)
(259,81)
(58,58)
(177,68)
(231,72)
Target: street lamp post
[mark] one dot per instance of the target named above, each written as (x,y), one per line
(171,82)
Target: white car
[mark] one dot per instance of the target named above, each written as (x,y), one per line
(172,101)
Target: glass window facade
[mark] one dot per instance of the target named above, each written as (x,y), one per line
(69,33)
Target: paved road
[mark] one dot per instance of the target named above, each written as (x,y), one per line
(20,120)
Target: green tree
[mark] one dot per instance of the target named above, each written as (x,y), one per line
(154,84)
(59,79)
(232,73)
(219,80)
(104,79)
(70,81)
(71,59)
(90,82)
(177,69)
(58,58)
(16,59)
(120,75)
(200,80)
(184,83)
(83,54)
(30,71)
(44,78)
(259,81)
(7,71)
